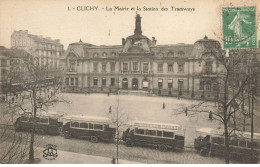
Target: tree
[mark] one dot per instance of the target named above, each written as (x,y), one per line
(41,84)
(230,90)
(118,119)
(14,146)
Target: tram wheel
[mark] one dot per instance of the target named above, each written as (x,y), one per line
(94,139)
(162,148)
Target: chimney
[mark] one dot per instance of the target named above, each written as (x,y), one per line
(154,41)
(138,27)
(123,41)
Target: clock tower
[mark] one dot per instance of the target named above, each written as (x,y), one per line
(138,30)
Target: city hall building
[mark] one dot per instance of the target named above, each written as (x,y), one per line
(140,65)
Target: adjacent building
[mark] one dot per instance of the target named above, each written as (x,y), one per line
(139,63)
(46,50)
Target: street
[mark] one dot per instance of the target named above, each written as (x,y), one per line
(137,154)
(139,108)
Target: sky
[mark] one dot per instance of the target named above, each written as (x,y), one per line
(51,18)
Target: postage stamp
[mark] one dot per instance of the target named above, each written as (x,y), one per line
(239,27)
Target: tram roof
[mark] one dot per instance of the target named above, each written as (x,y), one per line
(220,132)
(156,125)
(87,118)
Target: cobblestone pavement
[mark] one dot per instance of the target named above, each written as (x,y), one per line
(137,154)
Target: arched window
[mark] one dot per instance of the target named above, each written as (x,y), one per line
(104,54)
(170,54)
(181,53)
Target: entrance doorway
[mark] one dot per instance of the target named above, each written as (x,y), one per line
(135,84)
(125,84)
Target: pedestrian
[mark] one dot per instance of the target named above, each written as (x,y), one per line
(110,110)
(186,111)
(113,161)
(163,105)
(107,93)
(210,115)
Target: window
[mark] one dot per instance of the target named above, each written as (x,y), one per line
(159,133)
(150,132)
(95,54)
(3,62)
(145,67)
(168,134)
(160,67)
(76,81)
(169,83)
(181,67)
(95,69)
(112,82)
(72,81)
(75,124)
(202,83)
(160,83)
(234,142)
(218,140)
(125,66)
(104,54)
(103,81)
(208,85)
(112,67)
(170,67)
(44,120)
(208,67)
(91,126)
(95,81)
(24,119)
(104,67)
(250,145)
(180,84)
(135,66)
(179,137)
(98,126)
(242,143)
(139,131)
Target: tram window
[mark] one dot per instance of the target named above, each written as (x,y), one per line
(159,133)
(44,120)
(53,121)
(30,119)
(234,142)
(98,126)
(75,124)
(150,132)
(218,140)
(179,137)
(24,119)
(37,119)
(258,145)
(139,131)
(83,125)
(168,134)
(242,143)
(254,145)
(91,126)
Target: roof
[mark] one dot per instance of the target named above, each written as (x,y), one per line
(157,125)
(13,53)
(87,118)
(220,132)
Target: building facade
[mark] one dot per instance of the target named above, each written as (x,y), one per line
(11,63)
(46,50)
(140,64)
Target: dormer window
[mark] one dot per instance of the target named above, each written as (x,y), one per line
(95,54)
(104,54)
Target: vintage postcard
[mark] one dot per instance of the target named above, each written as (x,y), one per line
(129,82)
